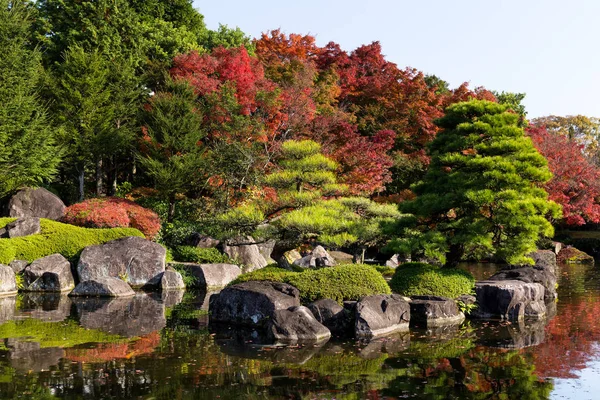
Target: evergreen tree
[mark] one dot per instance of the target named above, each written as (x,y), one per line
(28,155)
(483,192)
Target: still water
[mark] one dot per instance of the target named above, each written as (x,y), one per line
(159,347)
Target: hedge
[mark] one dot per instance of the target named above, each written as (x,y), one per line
(57,237)
(200,255)
(414,279)
(346,282)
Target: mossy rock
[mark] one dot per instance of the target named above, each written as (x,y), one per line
(571,255)
(415,279)
(56,237)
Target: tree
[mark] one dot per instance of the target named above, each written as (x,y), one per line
(28,154)
(172,148)
(482,191)
(576,181)
(584,130)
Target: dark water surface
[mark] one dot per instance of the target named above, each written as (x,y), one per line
(159,347)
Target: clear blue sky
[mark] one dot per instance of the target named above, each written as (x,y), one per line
(549,49)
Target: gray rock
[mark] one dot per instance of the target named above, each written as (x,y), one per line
(171,280)
(340,257)
(509,300)
(246,253)
(339,320)
(431,311)
(103,287)
(467,299)
(138,261)
(38,203)
(213,276)
(252,303)
(297,324)
(24,226)
(49,274)
(18,265)
(396,260)
(203,241)
(8,283)
(266,249)
(380,315)
(288,259)
(317,258)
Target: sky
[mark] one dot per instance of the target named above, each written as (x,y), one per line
(548,49)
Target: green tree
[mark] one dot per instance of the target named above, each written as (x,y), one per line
(514,103)
(28,154)
(482,192)
(172,152)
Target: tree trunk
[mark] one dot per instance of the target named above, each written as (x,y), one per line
(454,255)
(171,214)
(99,178)
(81,182)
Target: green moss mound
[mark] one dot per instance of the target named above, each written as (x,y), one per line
(199,255)
(346,282)
(413,279)
(56,237)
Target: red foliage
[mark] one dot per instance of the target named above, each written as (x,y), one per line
(103,352)
(576,182)
(113,212)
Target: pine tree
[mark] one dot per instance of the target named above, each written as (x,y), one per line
(483,191)
(28,155)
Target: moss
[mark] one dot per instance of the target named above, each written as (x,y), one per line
(57,237)
(414,279)
(346,282)
(199,255)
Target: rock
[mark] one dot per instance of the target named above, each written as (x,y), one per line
(49,274)
(245,253)
(509,300)
(339,320)
(103,287)
(297,324)
(431,311)
(18,265)
(340,257)
(467,299)
(171,280)
(571,255)
(8,283)
(542,273)
(545,259)
(21,227)
(252,303)
(169,298)
(47,307)
(380,315)
(288,258)
(138,261)
(266,249)
(317,258)
(393,262)
(202,241)
(557,247)
(38,203)
(213,276)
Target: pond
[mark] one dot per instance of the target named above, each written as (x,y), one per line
(159,347)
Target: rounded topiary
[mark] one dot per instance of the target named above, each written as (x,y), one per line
(413,279)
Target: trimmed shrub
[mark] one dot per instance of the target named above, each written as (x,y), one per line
(346,282)
(199,255)
(113,212)
(413,279)
(57,237)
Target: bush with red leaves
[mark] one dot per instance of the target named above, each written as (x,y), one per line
(113,212)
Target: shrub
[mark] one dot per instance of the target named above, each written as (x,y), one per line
(414,279)
(57,237)
(113,212)
(346,282)
(199,255)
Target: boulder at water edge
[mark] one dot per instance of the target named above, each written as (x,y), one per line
(49,274)
(38,203)
(171,280)
(246,253)
(432,311)
(8,283)
(213,276)
(18,265)
(509,300)
(138,261)
(380,315)
(21,227)
(252,303)
(297,324)
(339,320)
(103,287)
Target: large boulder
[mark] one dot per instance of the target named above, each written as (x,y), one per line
(138,261)
(245,252)
(545,259)
(21,227)
(266,249)
(432,311)
(297,324)
(104,286)
(339,320)
(171,280)
(38,203)
(49,274)
(317,258)
(571,255)
(252,303)
(380,315)
(510,300)
(8,283)
(202,241)
(213,276)
(340,257)
(18,265)
(288,259)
